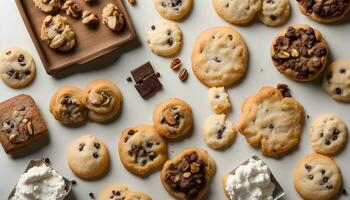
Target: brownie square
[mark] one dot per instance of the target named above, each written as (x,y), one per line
(21,123)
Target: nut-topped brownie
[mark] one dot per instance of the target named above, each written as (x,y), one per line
(21,123)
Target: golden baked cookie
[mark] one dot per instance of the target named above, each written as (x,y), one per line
(173,10)
(112,17)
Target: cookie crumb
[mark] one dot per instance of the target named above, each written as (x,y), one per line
(91,195)
(132,2)
(129,79)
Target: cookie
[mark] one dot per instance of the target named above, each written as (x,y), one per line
(317,177)
(300,53)
(336,81)
(17,67)
(112,17)
(188,175)
(219,100)
(173,9)
(67,107)
(324,11)
(71,8)
(164,38)
(57,33)
(88,157)
(328,134)
(236,11)
(137,196)
(274,12)
(48,6)
(219,57)
(172,118)
(114,192)
(142,149)
(272,121)
(103,99)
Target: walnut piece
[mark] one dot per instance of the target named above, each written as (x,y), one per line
(89,18)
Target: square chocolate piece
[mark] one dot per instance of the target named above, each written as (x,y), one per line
(21,123)
(141,72)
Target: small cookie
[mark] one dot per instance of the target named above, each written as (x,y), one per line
(57,33)
(328,134)
(274,12)
(71,8)
(67,107)
(172,118)
(336,81)
(236,11)
(48,6)
(272,121)
(218,131)
(103,99)
(142,149)
(137,196)
(88,157)
(112,17)
(188,175)
(300,53)
(219,100)
(324,11)
(164,38)
(173,10)
(317,177)
(219,57)
(17,67)
(114,192)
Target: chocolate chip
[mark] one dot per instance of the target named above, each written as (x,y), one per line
(308,167)
(21,60)
(273,17)
(81,146)
(91,195)
(336,131)
(117,193)
(325,179)
(95,155)
(321,135)
(271,126)
(131,132)
(8,53)
(329,187)
(47,160)
(129,79)
(149,144)
(345,192)
(170,41)
(342,71)
(153,27)
(310,176)
(338,90)
(74,182)
(158,74)
(327,142)
(321,51)
(97,145)
(323,171)
(334,137)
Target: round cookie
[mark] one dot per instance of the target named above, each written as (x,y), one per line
(336,81)
(219,57)
(88,157)
(317,177)
(324,11)
(164,38)
(112,17)
(103,99)
(274,12)
(173,9)
(218,131)
(17,67)
(300,52)
(328,134)
(67,107)
(172,118)
(114,192)
(137,196)
(142,149)
(48,6)
(237,11)
(271,121)
(188,175)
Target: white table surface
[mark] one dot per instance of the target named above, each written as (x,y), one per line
(136,110)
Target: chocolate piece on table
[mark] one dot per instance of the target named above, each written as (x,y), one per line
(146,80)
(21,123)
(142,72)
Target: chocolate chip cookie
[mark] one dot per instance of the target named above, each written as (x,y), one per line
(48,6)
(17,67)
(114,192)
(173,9)
(142,149)
(300,53)
(112,17)
(274,12)
(172,118)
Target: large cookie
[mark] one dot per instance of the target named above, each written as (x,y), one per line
(317,177)
(173,9)
(274,12)
(219,57)
(272,121)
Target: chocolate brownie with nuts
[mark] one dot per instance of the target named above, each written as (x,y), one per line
(21,123)
(300,53)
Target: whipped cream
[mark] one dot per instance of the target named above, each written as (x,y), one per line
(40,183)
(251,181)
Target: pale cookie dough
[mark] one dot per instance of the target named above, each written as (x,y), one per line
(103,99)
(317,177)
(173,9)
(114,192)
(17,67)
(219,100)
(88,157)
(274,12)
(164,38)
(137,196)
(57,33)
(328,134)
(48,6)
(271,121)
(237,11)
(112,17)
(142,149)
(218,131)
(336,81)
(172,118)
(219,57)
